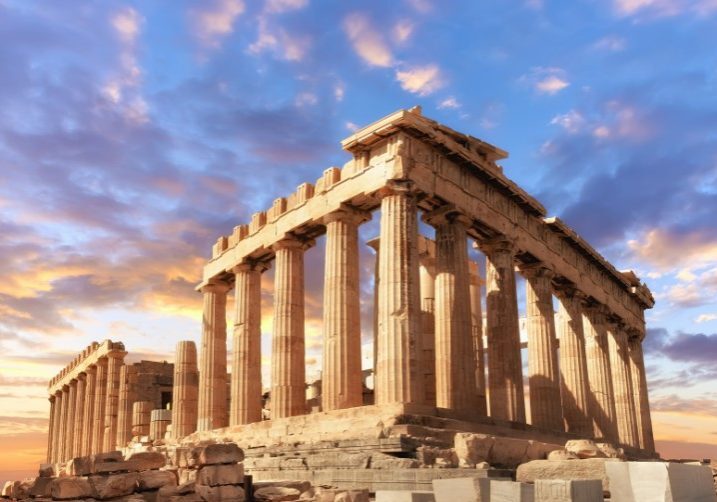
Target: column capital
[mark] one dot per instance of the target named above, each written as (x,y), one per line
(536,270)
(447,213)
(91,370)
(347,214)
(396,187)
(250,266)
(214,286)
(51,398)
(117,354)
(290,241)
(82,376)
(501,244)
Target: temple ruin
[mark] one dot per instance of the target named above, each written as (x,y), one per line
(437,367)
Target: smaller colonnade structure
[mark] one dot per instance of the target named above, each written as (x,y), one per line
(591,384)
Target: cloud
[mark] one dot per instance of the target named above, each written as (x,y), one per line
(546,80)
(573,121)
(402,31)
(668,249)
(421,80)
(664,8)
(126,23)
(215,21)
(450,103)
(677,404)
(280,6)
(610,43)
(281,43)
(421,6)
(702,318)
(368,43)
(696,292)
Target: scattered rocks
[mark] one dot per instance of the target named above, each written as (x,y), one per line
(276,493)
(584,448)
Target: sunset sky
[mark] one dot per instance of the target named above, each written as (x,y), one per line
(133,134)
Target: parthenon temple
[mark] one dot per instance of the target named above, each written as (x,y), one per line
(446,343)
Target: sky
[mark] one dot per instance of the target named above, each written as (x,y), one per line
(133,134)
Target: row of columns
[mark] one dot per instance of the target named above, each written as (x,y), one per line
(598,374)
(84,413)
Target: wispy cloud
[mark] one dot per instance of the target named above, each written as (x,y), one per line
(450,103)
(664,8)
(421,80)
(546,80)
(368,42)
(702,318)
(610,43)
(215,20)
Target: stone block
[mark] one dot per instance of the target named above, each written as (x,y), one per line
(385,461)
(278,493)
(155,479)
(79,466)
(187,475)
(472,448)
(114,485)
(405,496)
(591,468)
(338,495)
(41,487)
(146,460)
(221,474)
(112,467)
(16,489)
(561,454)
(337,459)
(7,489)
(302,486)
(584,448)
(511,491)
(47,470)
(217,453)
(660,481)
(469,489)
(568,490)
(223,493)
(508,452)
(71,488)
(108,456)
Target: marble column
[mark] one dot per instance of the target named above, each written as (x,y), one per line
(398,373)
(573,363)
(57,430)
(477,330)
(427,274)
(505,370)
(212,406)
(127,397)
(79,415)
(288,367)
(64,417)
(98,430)
(185,391)
(114,363)
(455,357)
(639,389)
(246,357)
(622,385)
(374,244)
(88,413)
(342,381)
(543,372)
(602,397)
(51,429)
(68,450)
(141,417)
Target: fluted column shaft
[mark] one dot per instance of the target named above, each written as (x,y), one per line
(543,372)
(288,370)
(455,358)
(342,382)
(602,397)
(212,407)
(477,330)
(573,364)
(622,386)
(114,363)
(640,396)
(62,431)
(79,415)
(88,413)
(185,391)
(505,371)
(246,356)
(127,397)
(57,430)
(374,243)
(69,450)
(98,430)
(51,429)
(427,274)
(398,375)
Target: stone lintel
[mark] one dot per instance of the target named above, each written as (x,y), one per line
(108,348)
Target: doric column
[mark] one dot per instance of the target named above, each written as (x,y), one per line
(288,369)
(622,385)
(374,244)
(127,397)
(477,330)
(573,363)
(246,356)
(114,363)
(141,417)
(505,371)
(185,390)
(639,389)
(62,438)
(427,275)
(78,415)
(50,429)
(543,372)
(98,430)
(88,415)
(602,404)
(213,359)
(398,374)
(342,382)
(69,449)
(455,358)
(56,428)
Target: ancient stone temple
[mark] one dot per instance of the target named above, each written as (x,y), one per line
(585,371)
(92,398)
